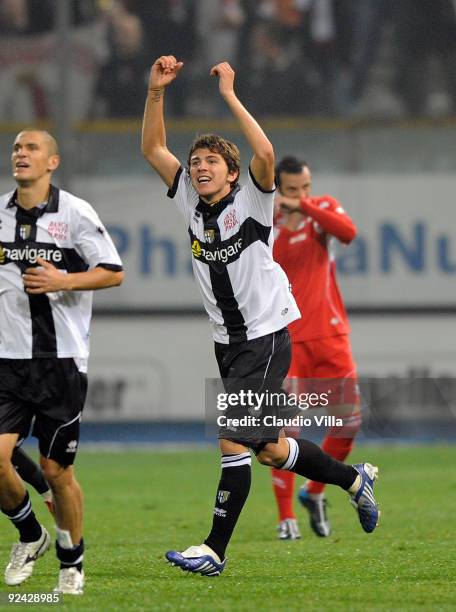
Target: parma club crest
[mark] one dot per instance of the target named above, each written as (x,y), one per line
(25,231)
(222,496)
(209,235)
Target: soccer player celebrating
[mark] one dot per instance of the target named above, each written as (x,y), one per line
(54,251)
(247,297)
(305,228)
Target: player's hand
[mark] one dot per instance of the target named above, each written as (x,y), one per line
(226,78)
(286,205)
(163,72)
(44,279)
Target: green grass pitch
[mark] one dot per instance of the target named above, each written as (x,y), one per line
(140,504)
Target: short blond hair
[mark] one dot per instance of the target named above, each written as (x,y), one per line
(52,144)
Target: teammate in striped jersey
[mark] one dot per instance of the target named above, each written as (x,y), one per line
(306,228)
(54,251)
(249,303)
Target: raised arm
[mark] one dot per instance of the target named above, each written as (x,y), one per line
(325,210)
(331,217)
(153,144)
(262,164)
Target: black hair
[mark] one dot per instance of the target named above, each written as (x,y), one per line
(290,165)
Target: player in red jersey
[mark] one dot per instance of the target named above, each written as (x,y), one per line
(305,229)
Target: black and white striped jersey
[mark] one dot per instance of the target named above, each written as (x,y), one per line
(67,232)
(245,292)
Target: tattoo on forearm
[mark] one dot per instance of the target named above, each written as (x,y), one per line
(156,93)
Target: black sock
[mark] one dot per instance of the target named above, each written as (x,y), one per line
(232,492)
(29,471)
(70,557)
(24,519)
(307,459)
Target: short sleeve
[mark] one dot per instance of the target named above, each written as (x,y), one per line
(260,203)
(93,243)
(183,194)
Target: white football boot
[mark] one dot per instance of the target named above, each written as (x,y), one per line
(288,530)
(71,581)
(23,557)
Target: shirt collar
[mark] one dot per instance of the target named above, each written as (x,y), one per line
(220,205)
(51,206)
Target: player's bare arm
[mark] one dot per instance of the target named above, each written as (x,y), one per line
(262,164)
(47,279)
(163,72)
(289,209)
(287,204)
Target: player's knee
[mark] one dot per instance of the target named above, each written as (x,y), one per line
(265,458)
(356,421)
(351,424)
(5,458)
(274,455)
(5,466)
(56,474)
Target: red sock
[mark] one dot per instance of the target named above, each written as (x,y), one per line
(283,485)
(338,448)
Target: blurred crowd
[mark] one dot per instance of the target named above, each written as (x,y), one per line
(292,57)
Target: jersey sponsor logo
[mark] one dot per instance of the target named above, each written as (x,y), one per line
(29,254)
(230,221)
(58,230)
(222,255)
(298,238)
(196,249)
(25,231)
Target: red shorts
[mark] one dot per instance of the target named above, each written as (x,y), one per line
(324,365)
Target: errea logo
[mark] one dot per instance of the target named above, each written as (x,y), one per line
(72,446)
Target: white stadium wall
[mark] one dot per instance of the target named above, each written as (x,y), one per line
(154,367)
(404,255)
